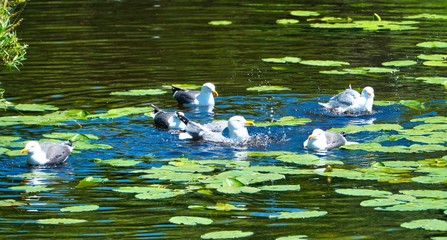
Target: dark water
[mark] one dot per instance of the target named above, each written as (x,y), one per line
(81,51)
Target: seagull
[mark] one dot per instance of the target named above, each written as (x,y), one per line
(238,133)
(204,97)
(350,101)
(167,120)
(47,153)
(322,141)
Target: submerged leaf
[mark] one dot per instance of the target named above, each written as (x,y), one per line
(35,107)
(434,80)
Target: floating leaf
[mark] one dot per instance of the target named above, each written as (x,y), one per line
(363,192)
(435,63)
(361,70)
(58,221)
(28,189)
(220,23)
(414,104)
(183,85)
(10,203)
(302,13)
(119,162)
(192,221)
(432,57)
(293,237)
(426,224)
(35,107)
(139,92)
(401,63)
(287,21)
(226,234)
(324,63)
(226,207)
(80,208)
(369,25)
(432,44)
(280,188)
(282,60)
(159,193)
(298,215)
(90,181)
(306,159)
(428,16)
(285,121)
(368,128)
(268,153)
(71,136)
(425,193)
(121,112)
(268,88)
(434,80)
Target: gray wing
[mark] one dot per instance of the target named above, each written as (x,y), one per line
(217,126)
(161,119)
(334,140)
(347,97)
(57,153)
(185,96)
(195,130)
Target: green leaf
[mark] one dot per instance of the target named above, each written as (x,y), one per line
(432,44)
(285,121)
(10,203)
(80,208)
(324,63)
(28,189)
(293,237)
(58,221)
(425,193)
(35,107)
(368,128)
(139,92)
(306,159)
(302,13)
(434,80)
(282,60)
(287,21)
(400,63)
(119,162)
(226,234)
(280,188)
(413,104)
(299,215)
(161,193)
(121,112)
(432,57)
(226,207)
(220,23)
(268,88)
(426,224)
(427,16)
(363,192)
(192,221)
(90,181)
(435,63)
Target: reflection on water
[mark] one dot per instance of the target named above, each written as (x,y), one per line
(80,52)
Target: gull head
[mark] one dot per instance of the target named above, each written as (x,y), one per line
(31,147)
(209,87)
(368,92)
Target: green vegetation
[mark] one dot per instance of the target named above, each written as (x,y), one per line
(12,52)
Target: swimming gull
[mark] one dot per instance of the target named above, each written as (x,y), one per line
(167,120)
(47,153)
(322,141)
(238,133)
(204,97)
(351,102)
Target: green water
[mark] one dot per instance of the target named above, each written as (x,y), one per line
(81,51)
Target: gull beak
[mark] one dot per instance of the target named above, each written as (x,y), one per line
(249,123)
(215,93)
(24,150)
(312,137)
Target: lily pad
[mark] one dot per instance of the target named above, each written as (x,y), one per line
(280,188)
(433,57)
(268,88)
(80,208)
(192,221)
(369,25)
(293,237)
(139,92)
(363,192)
(287,21)
(160,193)
(121,112)
(226,207)
(432,44)
(10,203)
(57,221)
(119,162)
(361,71)
(226,234)
(425,193)
(434,80)
(35,107)
(368,128)
(303,13)
(28,189)
(285,121)
(427,16)
(426,224)
(435,63)
(400,63)
(90,181)
(220,22)
(298,215)
(306,159)
(282,60)
(324,63)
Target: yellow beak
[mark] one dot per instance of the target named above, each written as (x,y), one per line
(24,150)
(215,93)
(249,123)
(312,136)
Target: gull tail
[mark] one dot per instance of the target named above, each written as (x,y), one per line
(182,117)
(175,89)
(156,109)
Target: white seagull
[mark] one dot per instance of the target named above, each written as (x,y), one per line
(351,102)
(47,153)
(238,133)
(167,120)
(322,141)
(204,97)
